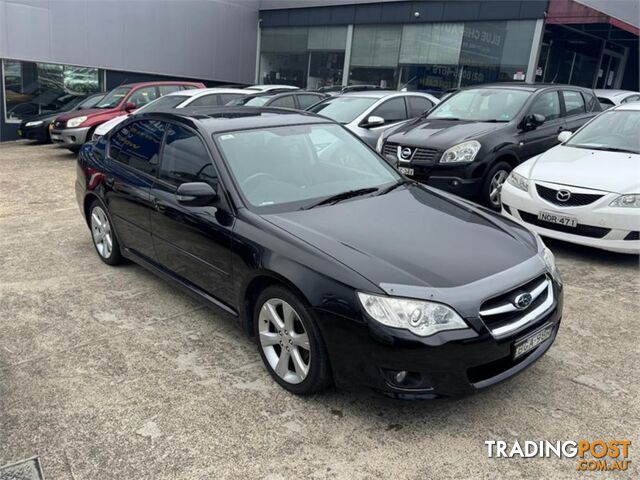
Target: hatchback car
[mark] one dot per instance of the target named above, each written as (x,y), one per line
(72,129)
(369,113)
(195,97)
(39,127)
(298,99)
(470,142)
(291,225)
(611,98)
(586,190)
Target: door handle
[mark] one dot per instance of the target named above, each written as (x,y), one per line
(159,206)
(561,128)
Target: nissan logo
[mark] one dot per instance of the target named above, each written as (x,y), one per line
(563,195)
(522,301)
(404,153)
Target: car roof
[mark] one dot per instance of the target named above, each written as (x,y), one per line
(231,118)
(633,106)
(266,88)
(371,93)
(613,93)
(207,91)
(150,84)
(531,87)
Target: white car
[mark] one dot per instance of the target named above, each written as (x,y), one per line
(587,189)
(268,88)
(197,97)
(611,98)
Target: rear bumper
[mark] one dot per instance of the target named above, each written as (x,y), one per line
(365,356)
(70,136)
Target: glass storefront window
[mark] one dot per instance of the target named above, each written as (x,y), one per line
(32,88)
(374,55)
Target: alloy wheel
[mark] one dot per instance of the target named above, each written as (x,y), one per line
(284,340)
(101,232)
(496,186)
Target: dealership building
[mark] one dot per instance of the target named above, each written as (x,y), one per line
(49,49)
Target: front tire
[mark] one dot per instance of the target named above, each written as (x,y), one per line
(492,185)
(103,235)
(289,342)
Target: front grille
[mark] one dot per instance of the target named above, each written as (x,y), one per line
(580,229)
(419,155)
(574,200)
(633,235)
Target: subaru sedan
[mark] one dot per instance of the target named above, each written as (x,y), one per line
(342,270)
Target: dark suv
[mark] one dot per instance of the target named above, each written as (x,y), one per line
(470,142)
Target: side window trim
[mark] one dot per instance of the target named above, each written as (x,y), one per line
(563,105)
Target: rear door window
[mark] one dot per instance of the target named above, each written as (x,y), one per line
(205,101)
(164,89)
(418,105)
(137,144)
(573,102)
(228,97)
(393,110)
(286,101)
(307,99)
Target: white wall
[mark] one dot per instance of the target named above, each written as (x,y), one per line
(209,39)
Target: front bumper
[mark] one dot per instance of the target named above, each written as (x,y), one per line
(365,356)
(70,136)
(39,132)
(599,225)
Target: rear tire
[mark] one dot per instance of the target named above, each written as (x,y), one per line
(103,235)
(289,342)
(492,185)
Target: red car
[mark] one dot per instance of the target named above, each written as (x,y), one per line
(74,128)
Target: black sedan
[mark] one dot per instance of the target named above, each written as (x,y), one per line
(342,270)
(39,127)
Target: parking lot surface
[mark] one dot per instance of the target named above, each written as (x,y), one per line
(111,373)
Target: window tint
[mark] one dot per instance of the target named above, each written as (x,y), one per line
(164,89)
(306,100)
(392,110)
(548,105)
(185,158)
(138,145)
(573,102)
(286,101)
(418,105)
(205,100)
(227,97)
(142,96)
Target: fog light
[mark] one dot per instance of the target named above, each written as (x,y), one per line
(401,376)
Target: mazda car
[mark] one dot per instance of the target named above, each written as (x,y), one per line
(342,270)
(470,141)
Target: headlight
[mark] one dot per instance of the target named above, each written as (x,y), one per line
(33,124)
(549,259)
(628,201)
(461,153)
(379,144)
(418,316)
(518,181)
(76,122)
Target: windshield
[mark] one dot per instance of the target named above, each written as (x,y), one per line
(343,109)
(298,165)
(168,101)
(614,130)
(481,104)
(89,102)
(113,98)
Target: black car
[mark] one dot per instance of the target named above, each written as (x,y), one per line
(470,142)
(39,127)
(296,99)
(342,270)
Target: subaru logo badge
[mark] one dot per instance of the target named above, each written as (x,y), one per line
(404,154)
(563,195)
(522,301)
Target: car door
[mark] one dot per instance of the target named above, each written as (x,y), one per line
(391,111)
(575,109)
(537,139)
(132,160)
(192,242)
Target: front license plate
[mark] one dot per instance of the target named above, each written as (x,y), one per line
(525,345)
(406,171)
(565,220)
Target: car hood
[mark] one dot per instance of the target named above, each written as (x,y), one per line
(85,113)
(412,236)
(580,167)
(440,133)
(49,117)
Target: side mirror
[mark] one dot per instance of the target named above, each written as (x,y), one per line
(564,136)
(373,121)
(196,194)
(533,121)
(130,107)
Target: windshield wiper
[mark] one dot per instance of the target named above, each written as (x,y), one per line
(493,120)
(391,187)
(604,149)
(341,196)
